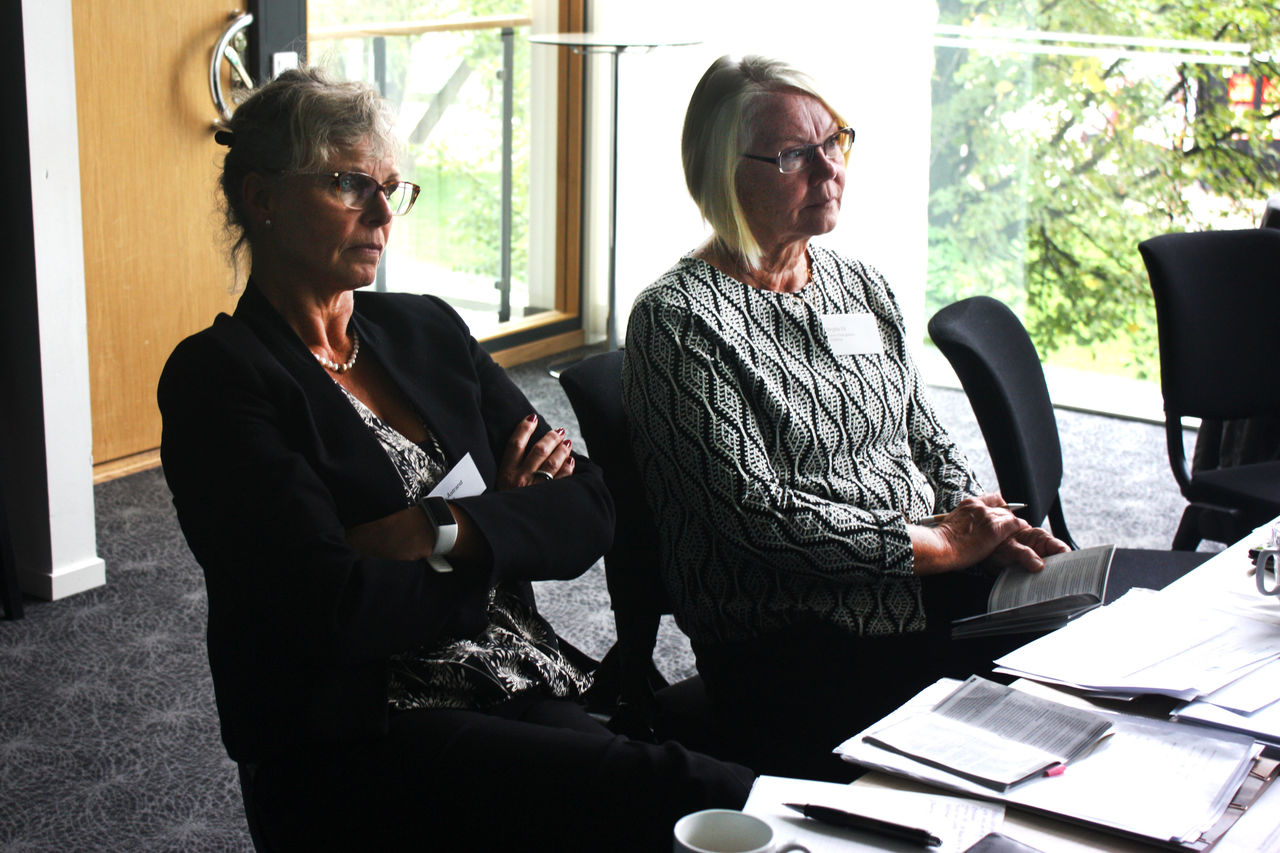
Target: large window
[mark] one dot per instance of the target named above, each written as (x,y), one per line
(482,137)
(1063,134)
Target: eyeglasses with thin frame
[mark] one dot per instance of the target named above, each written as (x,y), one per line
(795,159)
(356,189)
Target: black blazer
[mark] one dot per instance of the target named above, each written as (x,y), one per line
(269,463)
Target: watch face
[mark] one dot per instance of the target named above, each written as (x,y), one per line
(438,511)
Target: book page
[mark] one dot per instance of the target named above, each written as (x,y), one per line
(994,735)
(968,752)
(1072,573)
(1013,715)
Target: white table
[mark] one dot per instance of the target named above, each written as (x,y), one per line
(1223,582)
(1226,582)
(615,46)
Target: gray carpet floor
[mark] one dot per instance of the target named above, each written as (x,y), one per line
(108,731)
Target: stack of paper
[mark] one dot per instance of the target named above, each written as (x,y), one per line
(1249,704)
(1151,778)
(1147,642)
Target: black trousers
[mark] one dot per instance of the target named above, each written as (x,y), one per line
(783,701)
(535,774)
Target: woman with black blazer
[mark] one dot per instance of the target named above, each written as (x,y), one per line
(370,497)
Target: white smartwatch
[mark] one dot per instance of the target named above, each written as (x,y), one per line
(446,530)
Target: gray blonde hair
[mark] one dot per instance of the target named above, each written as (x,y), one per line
(717,130)
(296,123)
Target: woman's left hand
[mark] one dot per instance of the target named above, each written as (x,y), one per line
(403,535)
(1028,547)
(524,464)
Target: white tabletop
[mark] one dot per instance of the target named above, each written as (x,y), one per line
(1222,582)
(601,40)
(1226,581)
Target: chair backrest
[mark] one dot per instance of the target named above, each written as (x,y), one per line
(1217,296)
(997,364)
(594,389)
(631,568)
(10,592)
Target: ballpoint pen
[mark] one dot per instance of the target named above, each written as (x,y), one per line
(839,817)
(932,520)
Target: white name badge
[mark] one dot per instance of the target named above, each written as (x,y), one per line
(462,481)
(853,334)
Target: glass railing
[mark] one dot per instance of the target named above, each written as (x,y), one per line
(462,91)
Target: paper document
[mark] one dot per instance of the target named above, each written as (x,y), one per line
(994,735)
(1263,724)
(957,821)
(1155,778)
(1146,642)
(1251,692)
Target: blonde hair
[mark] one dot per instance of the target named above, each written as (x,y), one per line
(717,130)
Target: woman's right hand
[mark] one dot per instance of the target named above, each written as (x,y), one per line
(525,464)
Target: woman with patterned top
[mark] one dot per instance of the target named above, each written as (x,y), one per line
(786,444)
(370,497)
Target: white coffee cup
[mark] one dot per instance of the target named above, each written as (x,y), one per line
(1267,570)
(727,831)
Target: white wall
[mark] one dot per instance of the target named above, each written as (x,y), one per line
(54,533)
(872,60)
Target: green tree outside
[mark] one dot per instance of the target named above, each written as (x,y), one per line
(1048,169)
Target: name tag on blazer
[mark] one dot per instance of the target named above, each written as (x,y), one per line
(853,334)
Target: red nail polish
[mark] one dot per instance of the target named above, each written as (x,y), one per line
(532,419)
(567,442)
(560,430)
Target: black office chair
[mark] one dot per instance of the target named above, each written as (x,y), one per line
(628,685)
(10,593)
(251,815)
(1000,370)
(1217,295)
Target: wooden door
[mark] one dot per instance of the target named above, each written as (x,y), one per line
(156,266)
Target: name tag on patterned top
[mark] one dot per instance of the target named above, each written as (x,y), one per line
(853,334)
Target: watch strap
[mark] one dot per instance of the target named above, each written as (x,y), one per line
(442,522)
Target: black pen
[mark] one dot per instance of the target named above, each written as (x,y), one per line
(837,817)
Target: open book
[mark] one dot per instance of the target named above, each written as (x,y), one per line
(994,735)
(1071,583)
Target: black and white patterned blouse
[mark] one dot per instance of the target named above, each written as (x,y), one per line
(517,652)
(780,472)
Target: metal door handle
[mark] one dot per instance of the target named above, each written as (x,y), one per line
(223,49)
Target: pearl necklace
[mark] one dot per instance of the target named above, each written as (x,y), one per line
(350,363)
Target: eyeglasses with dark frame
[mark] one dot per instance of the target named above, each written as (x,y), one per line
(795,159)
(355,189)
